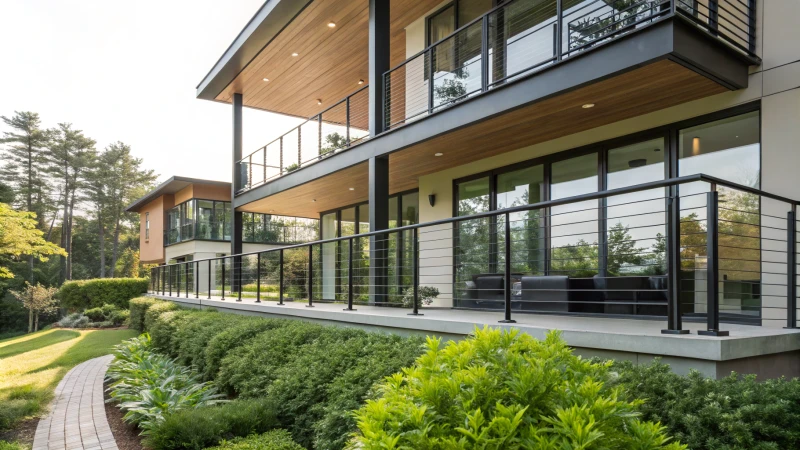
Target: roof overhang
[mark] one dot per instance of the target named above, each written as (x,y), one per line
(266,24)
(171,186)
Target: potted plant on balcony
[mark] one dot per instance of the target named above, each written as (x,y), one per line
(291,167)
(425,296)
(333,142)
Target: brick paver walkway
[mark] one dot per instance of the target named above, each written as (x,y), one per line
(78,418)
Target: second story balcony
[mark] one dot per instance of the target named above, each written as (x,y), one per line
(630,56)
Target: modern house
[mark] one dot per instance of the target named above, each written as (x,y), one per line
(624,170)
(186,219)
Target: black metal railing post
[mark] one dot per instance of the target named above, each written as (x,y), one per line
(163,280)
(485,54)
(258,278)
(430,78)
(209,279)
(280,277)
(350,277)
(223,280)
(507,278)
(559,30)
(674,320)
(196,279)
(186,270)
(238,276)
(178,280)
(712,266)
(713,16)
(170,281)
(415,271)
(791,269)
(310,277)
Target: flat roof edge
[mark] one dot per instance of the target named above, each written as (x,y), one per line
(159,190)
(263,27)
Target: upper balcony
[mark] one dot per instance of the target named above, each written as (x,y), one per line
(631,56)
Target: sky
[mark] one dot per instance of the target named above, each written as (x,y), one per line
(127,71)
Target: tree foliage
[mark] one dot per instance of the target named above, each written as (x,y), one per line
(37,299)
(19,236)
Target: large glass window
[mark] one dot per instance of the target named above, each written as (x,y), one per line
(528,246)
(729,149)
(573,229)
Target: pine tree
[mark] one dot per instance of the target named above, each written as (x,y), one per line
(25,165)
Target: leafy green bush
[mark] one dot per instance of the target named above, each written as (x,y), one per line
(150,386)
(503,390)
(94,314)
(195,333)
(274,440)
(156,310)
(163,330)
(84,294)
(199,428)
(238,335)
(734,413)
(11,446)
(74,320)
(138,308)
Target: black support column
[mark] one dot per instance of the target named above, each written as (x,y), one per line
(378,220)
(236,226)
(378,62)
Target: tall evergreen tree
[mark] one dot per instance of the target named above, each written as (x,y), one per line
(25,165)
(70,154)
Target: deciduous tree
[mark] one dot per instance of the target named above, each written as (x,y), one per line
(37,299)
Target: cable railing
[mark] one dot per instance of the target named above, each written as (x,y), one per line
(520,37)
(693,248)
(336,129)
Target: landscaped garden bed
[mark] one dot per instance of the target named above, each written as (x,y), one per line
(332,387)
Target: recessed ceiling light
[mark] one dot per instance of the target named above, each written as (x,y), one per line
(319,101)
(361,81)
(331,24)
(352,189)
(265,79)
(438,154)
(588,105)
(295,54)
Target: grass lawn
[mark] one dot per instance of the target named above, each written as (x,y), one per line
(32,365)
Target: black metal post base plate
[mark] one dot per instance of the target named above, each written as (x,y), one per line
(507,321)
(675,332)
(717,333)
(415,314)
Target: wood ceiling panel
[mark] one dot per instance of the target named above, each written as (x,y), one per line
(641,91)
(331,61)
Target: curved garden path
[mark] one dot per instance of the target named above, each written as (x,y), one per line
(78,417)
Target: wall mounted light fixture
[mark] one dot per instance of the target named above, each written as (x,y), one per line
(432,199)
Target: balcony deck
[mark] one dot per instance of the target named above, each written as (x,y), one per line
(749,349)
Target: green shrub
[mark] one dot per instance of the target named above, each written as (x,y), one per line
(503,390)
(195,333)
(195,429)
(156,310)
(12,446)
(149,386)
(94,314)
(238,335)
(119,317)
(138,308)
(734,413)
(274,440)
(164,328)
(84,294)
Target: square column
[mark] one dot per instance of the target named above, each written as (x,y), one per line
(379,45)
(378,220)
(236,182)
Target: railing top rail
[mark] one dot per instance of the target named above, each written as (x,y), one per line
(534,206)
(335,104)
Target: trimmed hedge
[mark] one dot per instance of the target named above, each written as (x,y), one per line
(195,429)
(733,413)
(85,294)
(139,307)
(154,311)
(310,375)
(274,440)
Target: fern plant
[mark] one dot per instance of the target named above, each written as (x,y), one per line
(503,390)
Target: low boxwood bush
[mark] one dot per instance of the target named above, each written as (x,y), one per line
(239,334)
(86,294)
(138,308)
(156,310)
(503,389)
(734,413)
(107,313)
(196,332)
(274,440)
(149,386)
(200,428)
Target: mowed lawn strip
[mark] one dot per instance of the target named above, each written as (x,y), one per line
(32,365)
